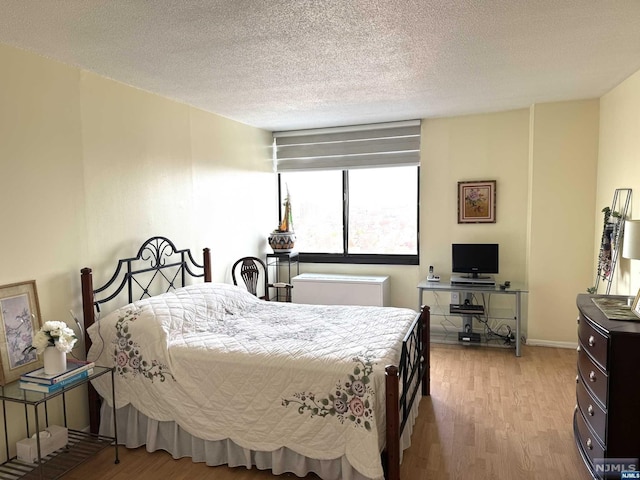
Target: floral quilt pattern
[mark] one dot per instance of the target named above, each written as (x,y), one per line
(350,401)
(127,357)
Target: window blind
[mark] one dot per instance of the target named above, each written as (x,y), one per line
(340,148)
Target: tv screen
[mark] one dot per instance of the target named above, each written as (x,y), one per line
(474,259)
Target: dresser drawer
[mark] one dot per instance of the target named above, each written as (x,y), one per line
(593,377)
(594,415)
(593,342)
(587,440)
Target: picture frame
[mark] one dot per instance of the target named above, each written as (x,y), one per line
(635,306)
(477,201)
(19,322)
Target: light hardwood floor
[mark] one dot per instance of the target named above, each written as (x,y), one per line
(490,416)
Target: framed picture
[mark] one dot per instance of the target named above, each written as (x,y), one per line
(635,306)
(20,316)
(477,202)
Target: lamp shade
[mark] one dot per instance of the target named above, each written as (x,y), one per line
(631,241)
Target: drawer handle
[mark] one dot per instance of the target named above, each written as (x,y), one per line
(592,341)
(592,376)
(578,349)
(589,444)
(590,410)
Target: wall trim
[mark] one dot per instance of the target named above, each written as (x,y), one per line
(550,343)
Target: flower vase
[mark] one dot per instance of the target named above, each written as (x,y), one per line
(55,361)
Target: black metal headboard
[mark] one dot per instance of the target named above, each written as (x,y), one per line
(158,263)
(157,260)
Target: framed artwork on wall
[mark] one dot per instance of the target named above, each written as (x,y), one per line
(477,201)
(20,321)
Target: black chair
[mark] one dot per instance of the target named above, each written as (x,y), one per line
(254,275)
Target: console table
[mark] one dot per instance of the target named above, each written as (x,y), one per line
(444,287)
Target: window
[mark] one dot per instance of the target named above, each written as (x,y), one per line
(355,216)
(354,191)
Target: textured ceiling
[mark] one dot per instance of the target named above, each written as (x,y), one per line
(295,64)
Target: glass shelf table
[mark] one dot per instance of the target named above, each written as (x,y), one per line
(80,446)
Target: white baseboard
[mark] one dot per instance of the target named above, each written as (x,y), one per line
(550,343)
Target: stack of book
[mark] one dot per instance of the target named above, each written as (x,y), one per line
(38,381)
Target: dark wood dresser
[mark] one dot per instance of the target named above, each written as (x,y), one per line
(606,422)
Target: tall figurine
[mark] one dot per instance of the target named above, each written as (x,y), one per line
(283,239)
(286,225)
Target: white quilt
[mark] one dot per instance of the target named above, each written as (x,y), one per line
(223,364)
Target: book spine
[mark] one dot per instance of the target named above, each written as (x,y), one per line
(79,376)
(73,373)
(42,381)
(37,387)
(27,377)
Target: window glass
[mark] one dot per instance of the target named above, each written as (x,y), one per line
(316,205)
(383,211)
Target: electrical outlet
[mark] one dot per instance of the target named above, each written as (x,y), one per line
(455,297)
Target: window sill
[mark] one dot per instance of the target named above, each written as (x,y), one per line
(359,259)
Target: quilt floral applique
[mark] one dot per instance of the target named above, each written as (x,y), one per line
(351,400)
(128,358)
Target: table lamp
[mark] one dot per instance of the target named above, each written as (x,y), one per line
(631,241)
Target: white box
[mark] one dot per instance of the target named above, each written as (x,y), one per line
(333,289)
(51,439)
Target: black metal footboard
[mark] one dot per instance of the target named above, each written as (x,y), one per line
(402,385)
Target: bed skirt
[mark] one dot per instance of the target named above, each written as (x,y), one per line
(135,429)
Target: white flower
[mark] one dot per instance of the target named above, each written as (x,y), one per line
(40,341)
(54,334)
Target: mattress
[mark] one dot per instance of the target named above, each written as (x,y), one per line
(267,376)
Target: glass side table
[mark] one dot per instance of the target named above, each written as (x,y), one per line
(80,445)
(282,264)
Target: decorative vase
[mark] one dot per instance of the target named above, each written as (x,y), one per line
(282,242)
(55,361)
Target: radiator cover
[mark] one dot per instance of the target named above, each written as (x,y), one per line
(334,289)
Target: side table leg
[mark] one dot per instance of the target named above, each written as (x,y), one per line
(6,430)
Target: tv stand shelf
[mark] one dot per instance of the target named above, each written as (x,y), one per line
(504,314)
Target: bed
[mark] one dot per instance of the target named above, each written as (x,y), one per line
(209,371)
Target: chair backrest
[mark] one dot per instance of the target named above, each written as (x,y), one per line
(253,273)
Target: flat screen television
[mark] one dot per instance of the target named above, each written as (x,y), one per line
(474,259)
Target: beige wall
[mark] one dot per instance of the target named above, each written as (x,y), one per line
(476,147)
(89,168)
(563,161)
(619,167)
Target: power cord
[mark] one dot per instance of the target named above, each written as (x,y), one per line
(489,332)
(507,338)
